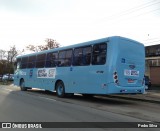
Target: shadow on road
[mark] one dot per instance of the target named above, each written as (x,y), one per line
(78,97)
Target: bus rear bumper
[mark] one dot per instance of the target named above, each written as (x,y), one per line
(125,90)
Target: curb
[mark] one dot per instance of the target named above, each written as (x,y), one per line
(134,99)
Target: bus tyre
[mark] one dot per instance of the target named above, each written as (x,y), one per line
(60,89)
(22,85)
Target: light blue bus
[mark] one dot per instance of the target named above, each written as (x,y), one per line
(112,65)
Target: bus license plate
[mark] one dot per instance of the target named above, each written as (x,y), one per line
(131,73)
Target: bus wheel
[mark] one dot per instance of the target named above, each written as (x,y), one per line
(22,85)
(60,89)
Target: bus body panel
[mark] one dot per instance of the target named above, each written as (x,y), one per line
(128,64)
(30,76)
(123,56)
(92,80)
(131,60)
(112,89)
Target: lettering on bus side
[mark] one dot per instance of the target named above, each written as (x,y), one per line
(99,72)
(46,73)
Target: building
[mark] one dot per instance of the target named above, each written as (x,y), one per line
(153,63)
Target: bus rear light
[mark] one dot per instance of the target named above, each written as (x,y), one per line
(115,73)
(115,77)
(116,81)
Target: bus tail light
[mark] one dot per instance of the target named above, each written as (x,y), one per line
(115,77)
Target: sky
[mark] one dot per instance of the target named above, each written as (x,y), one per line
(24,22)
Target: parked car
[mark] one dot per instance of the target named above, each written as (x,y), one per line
(9,77)
(147,82)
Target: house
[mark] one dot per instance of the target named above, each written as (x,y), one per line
(153,63)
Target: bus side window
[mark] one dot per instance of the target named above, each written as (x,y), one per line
(65,58)
(82,56)
(68,58)
(77,60)
(40,62)
(87,55)
(31,61)
(99,54)
(51,59)
(24,62)
(61,58)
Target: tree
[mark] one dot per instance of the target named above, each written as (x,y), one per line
(11,58)
(2,54)
(12,53)
(50,44)
(3,65)
(7,59)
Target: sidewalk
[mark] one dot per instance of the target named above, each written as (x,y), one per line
(152,96)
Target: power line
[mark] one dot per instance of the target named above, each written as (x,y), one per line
(148,12)
(133,10)
(150,39)
(152,42)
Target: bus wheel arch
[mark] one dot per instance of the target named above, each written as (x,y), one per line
(22,85)
(60,88)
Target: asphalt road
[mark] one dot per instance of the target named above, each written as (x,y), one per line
(39,106)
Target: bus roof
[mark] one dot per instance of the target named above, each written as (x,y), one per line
(107,39)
